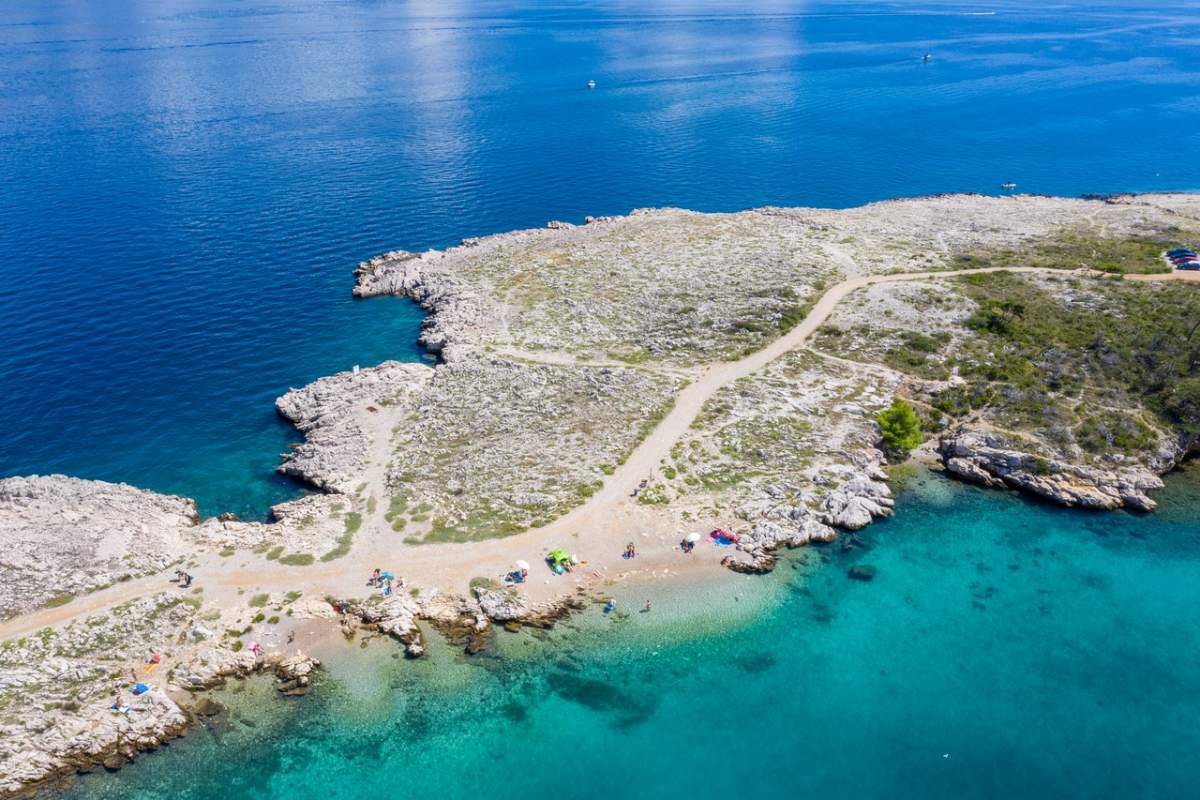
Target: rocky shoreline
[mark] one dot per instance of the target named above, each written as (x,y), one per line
(102,737)
(989,459)
(546,393)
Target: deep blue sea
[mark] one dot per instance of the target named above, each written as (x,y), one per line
(187,184)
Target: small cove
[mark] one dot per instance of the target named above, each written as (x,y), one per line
(1045,652)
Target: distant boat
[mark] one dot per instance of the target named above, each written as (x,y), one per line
(591,84)
(1008,187)
(927,57)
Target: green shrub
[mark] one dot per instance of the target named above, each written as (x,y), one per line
(297,559)
(900,427)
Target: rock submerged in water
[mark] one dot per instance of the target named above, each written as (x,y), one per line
(207,707)
(862,572)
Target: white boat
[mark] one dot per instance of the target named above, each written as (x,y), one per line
(591,84)
(1008,186)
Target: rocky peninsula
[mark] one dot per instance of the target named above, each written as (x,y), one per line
(631,379)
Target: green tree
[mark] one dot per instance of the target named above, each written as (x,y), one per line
(900,427)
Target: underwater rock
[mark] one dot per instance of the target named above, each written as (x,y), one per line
(207,707)
(862,572)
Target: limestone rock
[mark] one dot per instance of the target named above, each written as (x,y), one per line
(501,605)
(331,413)
(992,459)
(64,536)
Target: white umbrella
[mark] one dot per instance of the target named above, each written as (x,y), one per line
(693,537)
(522,565)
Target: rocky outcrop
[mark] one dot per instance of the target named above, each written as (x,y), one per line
(331,413)
(96,737)
(457,313)
(502,605)
(211,665)
(294,672)
(396,616)
(993,459)
(856,502)
(851,500)
(63,536)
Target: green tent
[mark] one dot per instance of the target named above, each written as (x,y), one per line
(558,556)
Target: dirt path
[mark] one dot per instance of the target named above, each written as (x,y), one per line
(596,530)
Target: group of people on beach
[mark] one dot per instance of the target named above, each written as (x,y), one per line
(183,578)
(516,576)
(383,580)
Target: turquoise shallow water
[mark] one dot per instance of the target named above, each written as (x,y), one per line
(1046,653)
(188,184)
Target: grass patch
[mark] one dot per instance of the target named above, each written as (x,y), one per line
(259,600)
(486,584)
(1079,248)
(353,523)
(588,489)
(297,559)
(60,599)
